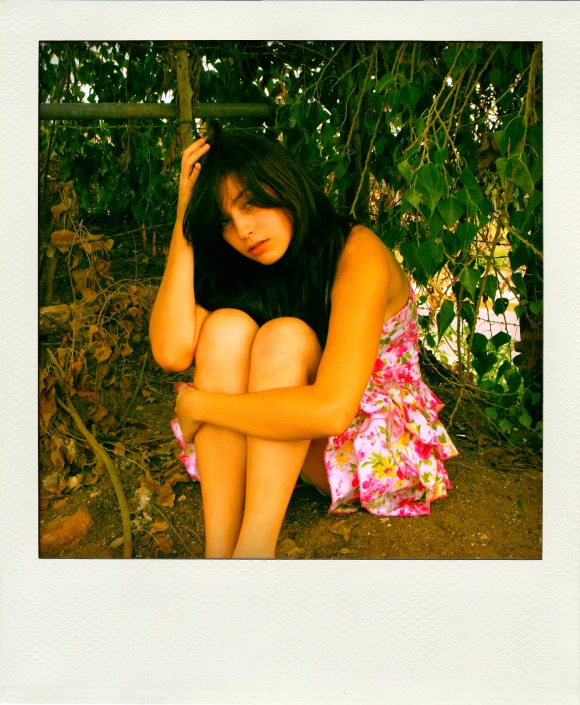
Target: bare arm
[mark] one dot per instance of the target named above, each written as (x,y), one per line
(172,328)
(359,300)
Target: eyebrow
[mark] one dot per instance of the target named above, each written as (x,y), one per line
(242,193)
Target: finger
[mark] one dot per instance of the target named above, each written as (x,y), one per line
(194,145)
(190,160)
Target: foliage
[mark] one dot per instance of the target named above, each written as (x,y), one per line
(436,145)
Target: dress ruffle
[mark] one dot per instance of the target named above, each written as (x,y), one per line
(390,459)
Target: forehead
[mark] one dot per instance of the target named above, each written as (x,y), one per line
(230,190)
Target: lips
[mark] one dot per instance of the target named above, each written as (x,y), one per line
(257,247)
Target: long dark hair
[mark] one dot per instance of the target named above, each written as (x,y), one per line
(298,284)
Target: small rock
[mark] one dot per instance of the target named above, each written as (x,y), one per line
(117,542)
(182,498)
(66,532)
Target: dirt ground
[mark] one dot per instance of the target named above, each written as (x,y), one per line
(494,509)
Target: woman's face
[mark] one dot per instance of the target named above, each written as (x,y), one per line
(260,234)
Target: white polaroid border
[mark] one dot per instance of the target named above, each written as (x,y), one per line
(290,631)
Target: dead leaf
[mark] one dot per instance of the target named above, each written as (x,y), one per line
(343,528)
(119,448)
(179,477)
(99,413)
(57,459)
(116,543)
(165,544)
(100,468)
(57,211)
(166,496)
(88,294)
(166,448)
(47,406)
(60,503)
(346,550)
(159,526)
(71,450)
(289,549)
(126,350)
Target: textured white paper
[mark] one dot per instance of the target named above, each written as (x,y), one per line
(295,631)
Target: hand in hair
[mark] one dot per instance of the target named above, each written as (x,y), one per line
(190,168)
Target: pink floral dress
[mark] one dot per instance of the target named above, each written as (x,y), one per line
(390,459)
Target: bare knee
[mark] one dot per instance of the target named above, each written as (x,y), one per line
(285,353)
(222,357)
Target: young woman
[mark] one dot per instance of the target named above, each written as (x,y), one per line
(303,331)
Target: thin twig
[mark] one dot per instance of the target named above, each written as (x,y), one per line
(135,391)
(175,532)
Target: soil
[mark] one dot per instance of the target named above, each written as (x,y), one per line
(494,509)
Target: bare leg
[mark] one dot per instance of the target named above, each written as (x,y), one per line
(313,469)
(223,365)
(285,353)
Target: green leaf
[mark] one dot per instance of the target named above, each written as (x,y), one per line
(466,233)
(413,197)
(470,278)
(505,425)
(515,129)
(536,307)
(445,316)
(479,343)
(500,339)
(501,139)
(513,379)
(431,342)
(484,362)
(490,412)
(500,306)
(525,419)
(451,210)
(440,156)
(491,286)
(385,81)
(408,251)
(429,183)
(522,176)
(405,170)
(504,168)
(520,285)
(435,223)
(410,94)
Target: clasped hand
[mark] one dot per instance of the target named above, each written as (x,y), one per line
(185,410)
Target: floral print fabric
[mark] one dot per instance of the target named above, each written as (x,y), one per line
(390,459)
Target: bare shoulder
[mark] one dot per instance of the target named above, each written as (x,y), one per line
(363,241)
(367,259)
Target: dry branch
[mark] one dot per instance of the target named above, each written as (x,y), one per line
(169,111)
